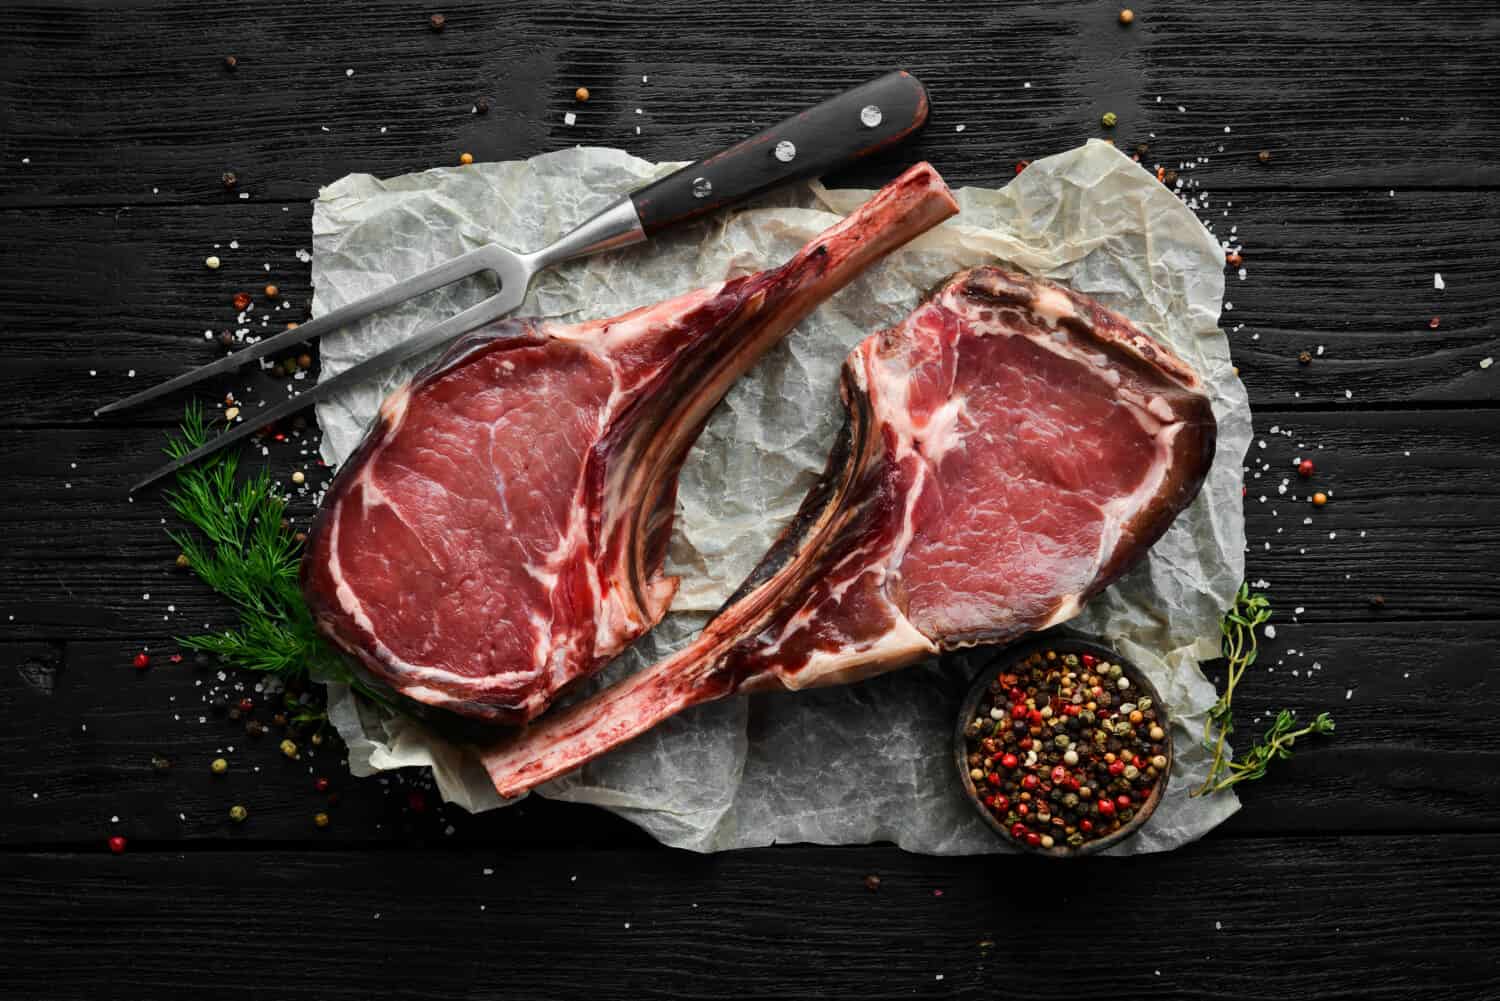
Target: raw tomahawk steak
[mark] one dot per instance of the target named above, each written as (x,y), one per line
(1011,448)
(500,531)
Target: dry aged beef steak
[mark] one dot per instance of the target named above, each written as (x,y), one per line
(500,531)
(1012,447)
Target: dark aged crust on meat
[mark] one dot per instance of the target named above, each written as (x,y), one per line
(536,564)
(833,600)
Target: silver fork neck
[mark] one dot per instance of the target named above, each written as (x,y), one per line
(617,225)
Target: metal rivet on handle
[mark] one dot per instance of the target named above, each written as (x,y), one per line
(786,151)
(870,115)
(702,188)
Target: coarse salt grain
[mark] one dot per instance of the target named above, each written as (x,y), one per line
(1437,281)
(569,118)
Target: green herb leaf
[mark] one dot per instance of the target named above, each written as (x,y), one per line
(235,542)
(1241,645)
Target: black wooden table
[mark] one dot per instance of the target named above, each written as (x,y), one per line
(1364,868)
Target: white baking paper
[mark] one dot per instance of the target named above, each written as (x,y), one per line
(868,762)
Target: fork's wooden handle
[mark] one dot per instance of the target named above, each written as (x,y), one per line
(838,131)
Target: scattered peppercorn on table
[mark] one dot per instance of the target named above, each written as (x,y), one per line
(172,829)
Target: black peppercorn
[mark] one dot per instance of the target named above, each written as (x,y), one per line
(234,713)
(1305,358)
(1141,149)
(226,338)
(230,62)
(482,106)
(160,763)
(229,179)
(437,21)
(1169,178)
(1377,601)
(1264,156)
(279,719)
(255,728)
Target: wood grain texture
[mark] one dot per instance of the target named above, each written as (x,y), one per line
(145,82)
(80,558)
(1403,759)
(90,295)
(1310,918)
(116,122)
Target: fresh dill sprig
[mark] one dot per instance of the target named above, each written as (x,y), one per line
(1241,645)
(235,541)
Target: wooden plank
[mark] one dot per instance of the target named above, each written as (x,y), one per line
(81,727)
(91,295)
(79,559)
(1366,918)
(1340,99)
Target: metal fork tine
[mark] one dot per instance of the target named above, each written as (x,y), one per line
(446,273)
(476,315)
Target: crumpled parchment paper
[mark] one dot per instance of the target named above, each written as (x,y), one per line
(856,764)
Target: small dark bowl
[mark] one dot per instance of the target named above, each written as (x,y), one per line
(1003,661)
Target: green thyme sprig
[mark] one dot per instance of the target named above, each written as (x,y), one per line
(236,542)
(1240,627)
(1276,745)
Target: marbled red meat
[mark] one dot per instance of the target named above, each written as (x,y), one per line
(1012,447)
(500,531)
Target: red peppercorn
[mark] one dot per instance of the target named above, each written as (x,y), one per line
(989,801)
(1023,809)
(1022,165)
(176,658)
(1009,760)
(1116,767)
(1018,830)
(1085,825)
(320,784)
(1088,660)
(1434,322)
(1001,802)
(1025,743)
(1018,711)
(1059,773)
(140,661)
(1016,695)
(1305,467)
(1072,710)
(117,844)
(1029,782)
(417,801)
(993,778)
(1106,808)
(246,704)
(242,301)
(1035,717)
(1122,801)
(1033,839)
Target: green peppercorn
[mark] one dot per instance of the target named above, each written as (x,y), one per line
(218,766)
(238,813)
(320,819)
(289,748)
(1109,119)
(160,763)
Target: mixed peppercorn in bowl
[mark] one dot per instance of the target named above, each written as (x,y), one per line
(1063,746)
